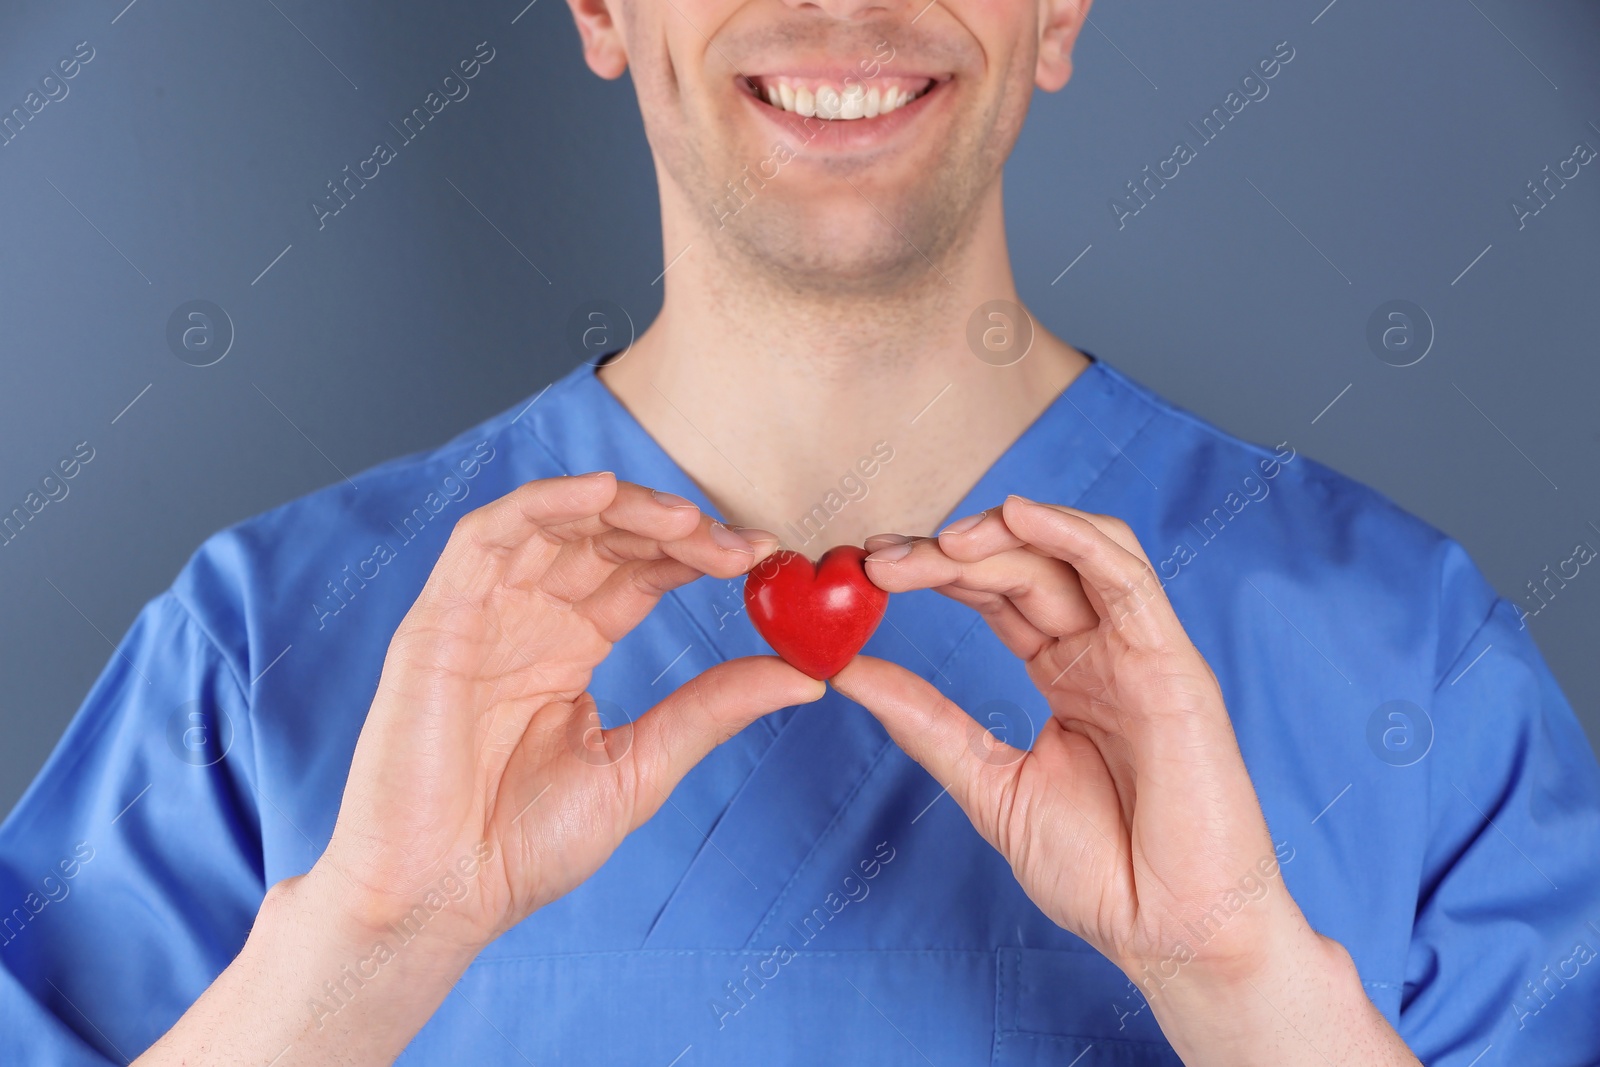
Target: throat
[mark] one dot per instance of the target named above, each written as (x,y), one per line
(829,455)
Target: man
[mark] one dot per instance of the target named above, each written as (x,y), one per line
(1244,765)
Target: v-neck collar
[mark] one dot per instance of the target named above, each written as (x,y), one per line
(1088,394)
(1071,444)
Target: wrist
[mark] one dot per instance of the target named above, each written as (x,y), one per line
(362,925)
(316,982)
(1298,1000)
(351,971)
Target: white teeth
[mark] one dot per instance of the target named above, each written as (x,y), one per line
(829,105)
(827,102)
(854,105)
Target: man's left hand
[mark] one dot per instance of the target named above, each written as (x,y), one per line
(1131,821)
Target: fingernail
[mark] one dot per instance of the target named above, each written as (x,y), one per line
(889,539)
(728,539)
(892,554)
(670,500)
(1018,496)
(599,474)
(963,525)
(753,533)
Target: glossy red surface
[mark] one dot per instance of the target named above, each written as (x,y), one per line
(816,616)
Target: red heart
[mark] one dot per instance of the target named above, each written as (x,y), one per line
(816,616)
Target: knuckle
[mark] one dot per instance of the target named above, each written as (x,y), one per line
(471,527)
(990,605)
(1145,580)
(1096,554)
(1136,579)
(645,581)
(1105,521)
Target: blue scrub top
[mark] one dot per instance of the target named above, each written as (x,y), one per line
(809,895)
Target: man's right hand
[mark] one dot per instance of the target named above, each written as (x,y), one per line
(483,741)
(482,752)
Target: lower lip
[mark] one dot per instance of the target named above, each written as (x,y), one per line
(839,136)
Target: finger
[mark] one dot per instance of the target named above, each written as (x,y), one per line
(631,591)
(583,567)
(669,739)
(765,542)
(884,540)
(622,546)
(1119,582)
(571,508)
(471,563)
(545,503)
(1027,598)
(640,509)
(986,532)
(1109,525)
(921,564)
(615,578)
(979,536)
(514,539)
(655,515)
(720,550)
(961,755)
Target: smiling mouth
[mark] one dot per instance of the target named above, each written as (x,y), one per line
(836,101)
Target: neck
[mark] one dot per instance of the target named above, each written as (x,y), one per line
(778,399)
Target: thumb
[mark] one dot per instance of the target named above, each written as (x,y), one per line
(950,744)
(676,734)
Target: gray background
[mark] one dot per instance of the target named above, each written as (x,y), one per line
(1380,166)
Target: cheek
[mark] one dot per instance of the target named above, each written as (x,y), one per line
(682,97)
(1005,61)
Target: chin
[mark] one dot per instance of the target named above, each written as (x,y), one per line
(846,248)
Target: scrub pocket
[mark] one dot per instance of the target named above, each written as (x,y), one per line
(1059,1007)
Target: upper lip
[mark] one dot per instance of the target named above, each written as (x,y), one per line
(918,82)
(840,73)
(813,78)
